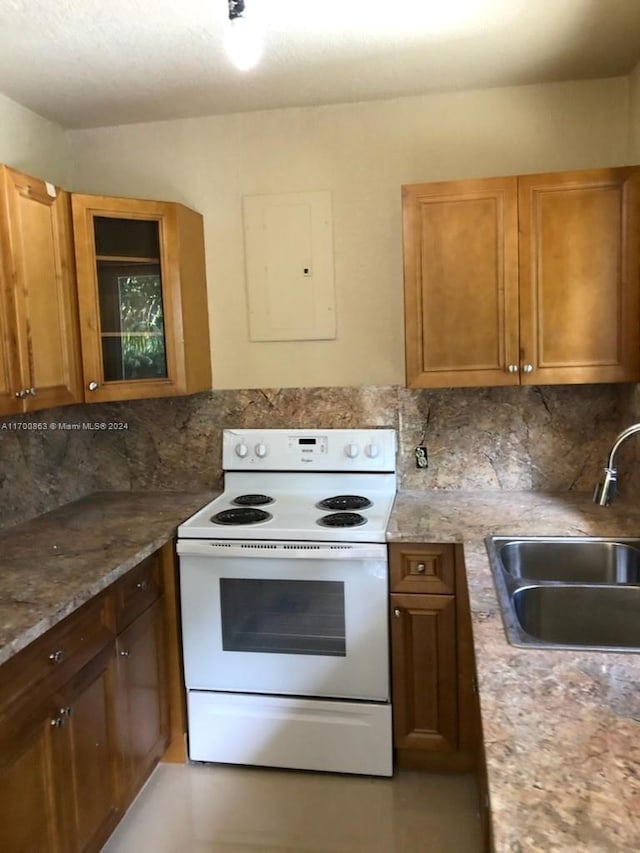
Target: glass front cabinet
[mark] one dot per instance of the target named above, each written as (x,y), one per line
(142,298)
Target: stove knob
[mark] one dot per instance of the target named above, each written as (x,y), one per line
(372,450)
(241,450)
(352,450)
(261,450)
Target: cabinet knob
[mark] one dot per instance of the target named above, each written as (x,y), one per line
(527,368)
(141,585)
(421,568)
(125,653)
(57,722)
(21,394)
(56,657)
(512,368)
(30,392)
(397,613)
(93,386)
(65,712)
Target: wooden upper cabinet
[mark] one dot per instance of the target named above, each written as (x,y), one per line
(142,298)
(461,282)
(40,363)
(522,280)
(579,314)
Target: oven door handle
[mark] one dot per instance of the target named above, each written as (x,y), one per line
(280,550)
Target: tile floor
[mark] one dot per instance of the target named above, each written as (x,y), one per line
(225,809)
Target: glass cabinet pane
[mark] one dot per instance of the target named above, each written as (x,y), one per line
(130,299)
(283,616)
(131,238)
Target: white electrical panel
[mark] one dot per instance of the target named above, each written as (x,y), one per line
(288,241)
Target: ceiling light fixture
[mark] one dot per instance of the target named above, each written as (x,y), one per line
(243,40)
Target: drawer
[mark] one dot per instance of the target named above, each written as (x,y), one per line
(138,589)
(422,568)
(54,658)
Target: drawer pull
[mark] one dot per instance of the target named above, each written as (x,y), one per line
(421,568)
(56,657)
(125,653)
(397,613)
(141,585)
(57,722)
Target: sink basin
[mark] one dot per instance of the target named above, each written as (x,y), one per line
(568,591)
(580,616)
(572,560)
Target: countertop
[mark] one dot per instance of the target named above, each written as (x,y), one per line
(51,565)
(561,728)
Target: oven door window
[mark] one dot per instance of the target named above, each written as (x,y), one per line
(291,617)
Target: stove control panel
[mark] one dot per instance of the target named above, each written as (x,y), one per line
(311,450)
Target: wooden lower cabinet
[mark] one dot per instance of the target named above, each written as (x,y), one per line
(84,752)
(432,666)
(142,713)
(77,744)
(58,784)
(424,667)
(28,812)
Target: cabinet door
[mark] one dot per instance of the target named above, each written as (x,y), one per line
(461,283)
(85,756)
(424,672)
(39,260)
(579,266)
(10,381)
(143,314)
(143,720)
(28,818)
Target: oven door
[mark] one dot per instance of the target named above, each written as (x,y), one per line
(306,619)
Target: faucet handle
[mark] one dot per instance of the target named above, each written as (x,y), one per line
(606,489)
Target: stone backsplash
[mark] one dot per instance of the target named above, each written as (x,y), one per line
(551,438)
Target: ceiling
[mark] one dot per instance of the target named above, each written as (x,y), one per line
(87,63)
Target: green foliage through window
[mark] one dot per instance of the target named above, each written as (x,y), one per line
(142,327)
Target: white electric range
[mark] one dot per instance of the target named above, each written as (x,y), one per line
(284,590)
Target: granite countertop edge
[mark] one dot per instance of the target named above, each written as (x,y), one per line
(81,548)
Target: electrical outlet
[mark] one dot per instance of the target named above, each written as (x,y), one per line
(422,460)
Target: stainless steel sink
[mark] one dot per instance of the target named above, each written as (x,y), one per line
(571,560)
(580,616)
(568,592)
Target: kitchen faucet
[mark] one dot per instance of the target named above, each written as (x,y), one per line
(606,488)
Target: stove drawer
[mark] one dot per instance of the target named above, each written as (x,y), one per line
(281,731)
(422,568)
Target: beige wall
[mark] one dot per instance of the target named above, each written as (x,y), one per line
(32,144)
(362,153)
(634,115)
